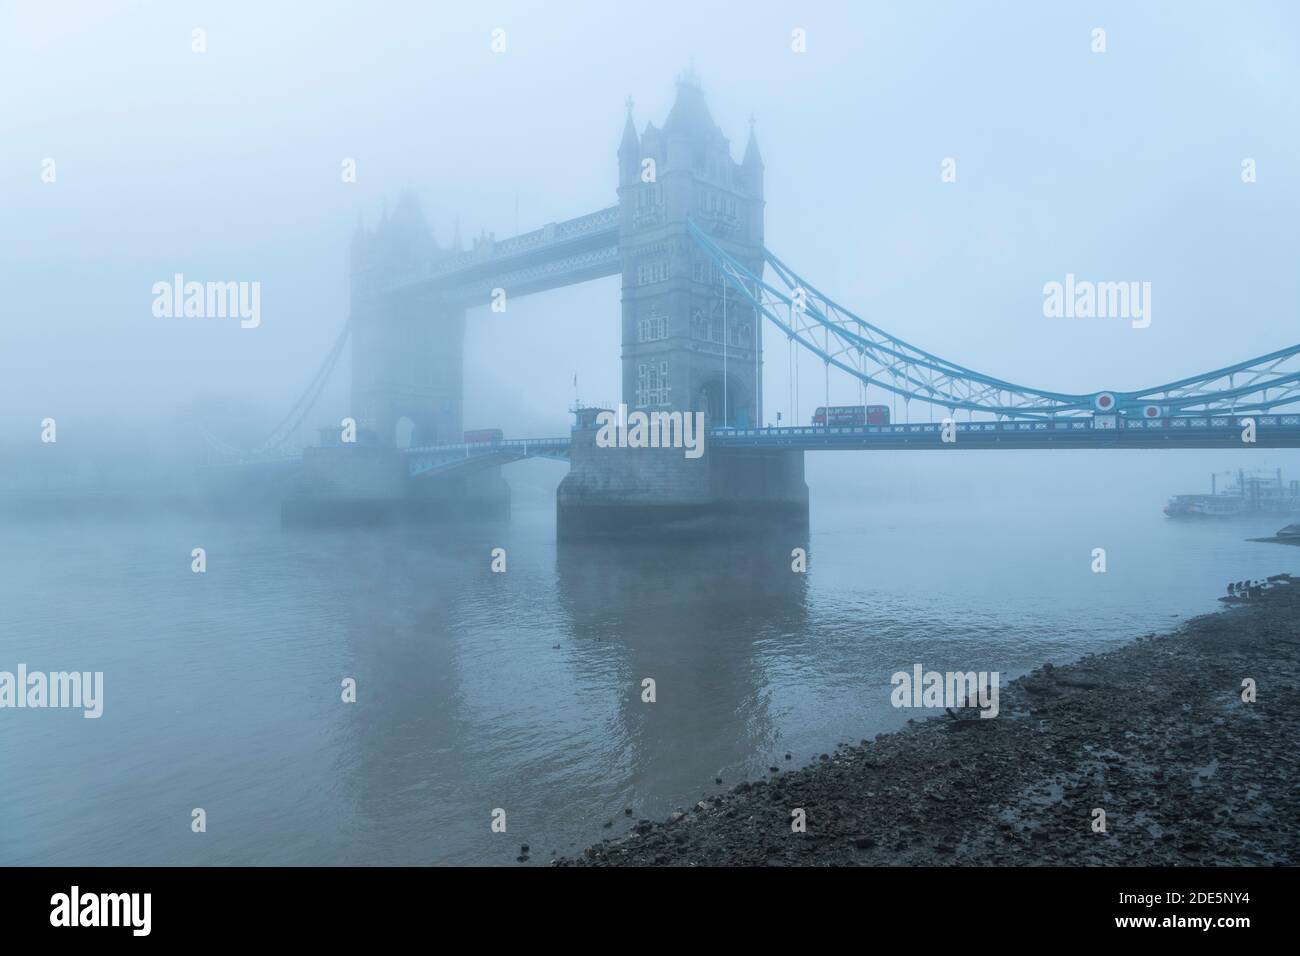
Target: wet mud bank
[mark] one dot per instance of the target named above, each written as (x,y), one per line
(1156,734)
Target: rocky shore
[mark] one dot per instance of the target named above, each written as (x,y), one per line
(1155,733)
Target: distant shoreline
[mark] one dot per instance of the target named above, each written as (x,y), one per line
(1154,733)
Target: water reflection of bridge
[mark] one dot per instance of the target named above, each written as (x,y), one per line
(705,623)
(470,703)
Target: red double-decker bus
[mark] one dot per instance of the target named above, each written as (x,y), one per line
(483,436)
(848,416)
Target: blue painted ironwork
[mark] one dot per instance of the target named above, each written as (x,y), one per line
(274,448)
(1206,410)
(875,357)
(1189,431)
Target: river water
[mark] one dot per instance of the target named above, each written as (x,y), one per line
(522,690)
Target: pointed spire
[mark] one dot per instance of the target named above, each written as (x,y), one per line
(455,236)
(689,76)
(629,151)
(690,114)
(631,145)
(752,156)
(408,229)
(408,213)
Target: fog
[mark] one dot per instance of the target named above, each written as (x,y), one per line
(225,165)
(356,681)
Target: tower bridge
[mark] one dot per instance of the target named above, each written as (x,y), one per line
(699,288)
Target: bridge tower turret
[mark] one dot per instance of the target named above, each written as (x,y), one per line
(689,343)
(406,349)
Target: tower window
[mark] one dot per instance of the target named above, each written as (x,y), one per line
(652,384)
(699,324)
(715,321)
(653,327)
(704,270)
(651,271)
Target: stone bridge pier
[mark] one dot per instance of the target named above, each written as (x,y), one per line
(656,493)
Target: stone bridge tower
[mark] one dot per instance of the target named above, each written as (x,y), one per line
(407,347)
(689,342)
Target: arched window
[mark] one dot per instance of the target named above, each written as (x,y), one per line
(699,324)
(715,321)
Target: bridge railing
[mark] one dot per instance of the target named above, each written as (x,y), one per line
(522,444)
(1277,430)
(1189,422)
(441,458)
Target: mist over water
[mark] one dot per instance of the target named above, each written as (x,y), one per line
(222,689)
